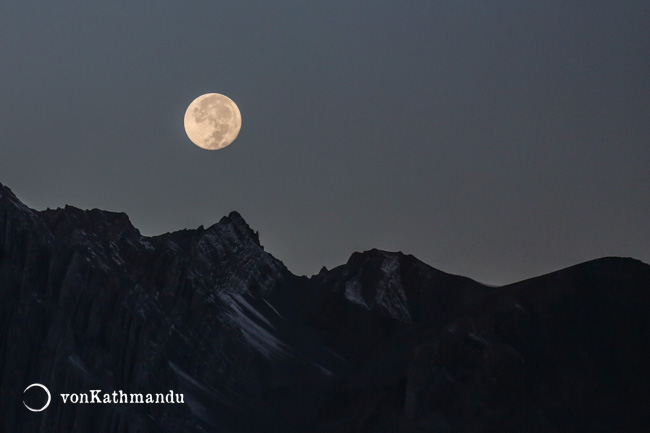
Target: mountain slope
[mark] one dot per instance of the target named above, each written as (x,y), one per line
(382,343)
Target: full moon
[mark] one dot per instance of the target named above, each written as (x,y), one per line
(212,121)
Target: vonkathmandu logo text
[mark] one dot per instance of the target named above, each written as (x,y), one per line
(121,397)
(97,396)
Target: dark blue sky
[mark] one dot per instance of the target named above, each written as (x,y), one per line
(498,140)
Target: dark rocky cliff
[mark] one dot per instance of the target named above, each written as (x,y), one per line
(383,343)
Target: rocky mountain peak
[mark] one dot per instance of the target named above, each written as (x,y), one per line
(235,228)
(95,221)
(5,193)
(382,259)
(7,197)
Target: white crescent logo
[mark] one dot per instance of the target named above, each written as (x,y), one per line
(47,391)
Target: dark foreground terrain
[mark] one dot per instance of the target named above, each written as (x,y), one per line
(383,343)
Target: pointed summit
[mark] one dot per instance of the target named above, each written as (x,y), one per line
(235,223)
(7,195)
(234,217)
(8,198)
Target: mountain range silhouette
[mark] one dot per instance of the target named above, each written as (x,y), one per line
(382,343)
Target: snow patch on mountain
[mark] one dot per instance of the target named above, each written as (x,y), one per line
(353,292)
(256,329)
(390,292)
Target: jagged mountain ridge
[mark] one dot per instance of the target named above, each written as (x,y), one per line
(87,302)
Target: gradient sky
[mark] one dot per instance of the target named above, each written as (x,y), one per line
(498,140)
